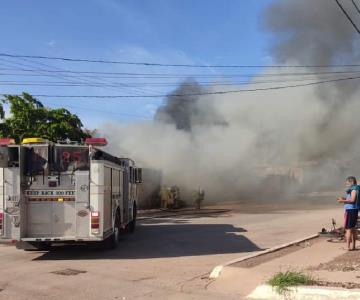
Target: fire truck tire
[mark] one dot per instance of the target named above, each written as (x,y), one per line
(132,224)
(113,240)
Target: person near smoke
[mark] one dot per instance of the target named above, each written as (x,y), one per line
(351,206)
(199,198)
(164,197)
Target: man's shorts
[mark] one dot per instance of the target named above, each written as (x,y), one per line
(351,216)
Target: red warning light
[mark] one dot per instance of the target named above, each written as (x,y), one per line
(6,141)
(96,141)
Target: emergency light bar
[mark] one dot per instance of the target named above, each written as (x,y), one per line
(6,141)
(96,141)
(33,140)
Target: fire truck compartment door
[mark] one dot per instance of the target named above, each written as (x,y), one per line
(51,218)
(39,219)
(63,218)
(82,181)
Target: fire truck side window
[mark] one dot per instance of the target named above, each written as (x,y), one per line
(4,157)
(13,156)
(131,174)
(138,175)
(9,157)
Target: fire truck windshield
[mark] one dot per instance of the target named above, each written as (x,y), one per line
(71,158)
(37,160)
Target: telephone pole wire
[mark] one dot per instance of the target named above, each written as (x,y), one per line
(347,16)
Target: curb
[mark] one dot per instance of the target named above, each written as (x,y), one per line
(165,214)
(216,272)
(305,293)
(7,242)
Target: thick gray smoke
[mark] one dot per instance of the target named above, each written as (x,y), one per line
(179,110)
(318,33)
(311,32)
(235,145)
(183,111)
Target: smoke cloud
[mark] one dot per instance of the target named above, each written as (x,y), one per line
(235,145)
(180,110)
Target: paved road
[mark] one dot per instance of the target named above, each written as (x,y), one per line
(167,258)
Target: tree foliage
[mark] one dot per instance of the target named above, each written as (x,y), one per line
(30,118)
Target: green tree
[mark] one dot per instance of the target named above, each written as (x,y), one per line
(30,118)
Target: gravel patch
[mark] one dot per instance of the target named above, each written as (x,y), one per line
(347,262)
(345,285)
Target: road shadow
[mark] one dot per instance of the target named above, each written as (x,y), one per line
(164,240)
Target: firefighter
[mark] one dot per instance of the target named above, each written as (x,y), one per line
(199,198)
(164,197)
(175,193)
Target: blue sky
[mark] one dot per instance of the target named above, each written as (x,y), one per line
(166,31)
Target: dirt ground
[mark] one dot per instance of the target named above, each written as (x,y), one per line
(348,262)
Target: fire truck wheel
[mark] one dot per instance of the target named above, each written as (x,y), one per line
(113,240)
(132,224)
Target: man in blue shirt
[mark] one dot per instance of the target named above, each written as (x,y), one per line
(351,206)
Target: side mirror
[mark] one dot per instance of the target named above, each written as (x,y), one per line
(138,175)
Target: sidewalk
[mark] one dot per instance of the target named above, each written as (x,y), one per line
(317,258)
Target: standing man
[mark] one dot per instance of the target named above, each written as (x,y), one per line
(176,195)
(164,196)
(351,206)
(171,200)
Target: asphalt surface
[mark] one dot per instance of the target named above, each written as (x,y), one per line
(166,258)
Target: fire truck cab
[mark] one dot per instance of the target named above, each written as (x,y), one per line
(74,193)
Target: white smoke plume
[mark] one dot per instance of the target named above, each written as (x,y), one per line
(231,144)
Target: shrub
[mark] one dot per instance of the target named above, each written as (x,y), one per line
(281,281)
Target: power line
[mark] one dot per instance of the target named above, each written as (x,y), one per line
(198,94)
(68,59)
(348,16)
(58,73)
(116,84)
(162,75)
(356,6)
